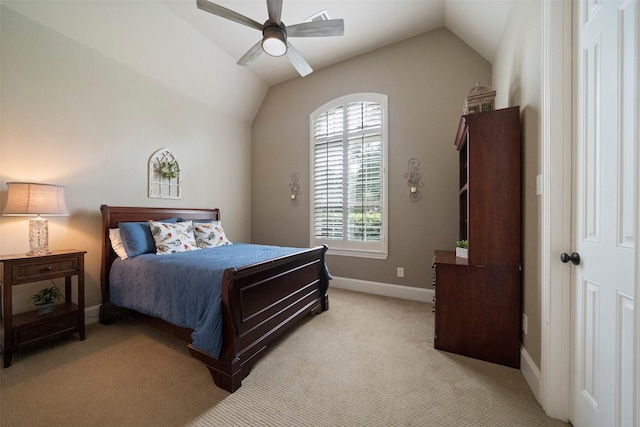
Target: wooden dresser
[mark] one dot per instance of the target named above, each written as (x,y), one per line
(477,302)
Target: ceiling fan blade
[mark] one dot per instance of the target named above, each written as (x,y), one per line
(332,27)
(251,54)
(275,10)
(298,61)
(207,6)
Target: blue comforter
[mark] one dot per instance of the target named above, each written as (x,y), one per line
(185,288)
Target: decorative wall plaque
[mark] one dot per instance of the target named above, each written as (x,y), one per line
(165,175)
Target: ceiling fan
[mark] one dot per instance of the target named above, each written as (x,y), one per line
(274,33)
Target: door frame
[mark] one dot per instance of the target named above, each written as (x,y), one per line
(557,135)
(556,132)
(636,299)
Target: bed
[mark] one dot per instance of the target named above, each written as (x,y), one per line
(257,302)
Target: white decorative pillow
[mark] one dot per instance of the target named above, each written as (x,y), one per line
(209,234)
(173,237)
(116,243)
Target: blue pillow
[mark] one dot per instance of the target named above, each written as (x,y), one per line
(136,237)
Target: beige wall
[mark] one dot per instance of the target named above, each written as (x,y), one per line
(517,79)
(426,79)
(73,116)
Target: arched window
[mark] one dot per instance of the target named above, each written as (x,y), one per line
(349,175)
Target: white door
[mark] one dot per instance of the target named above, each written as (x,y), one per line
(604,190)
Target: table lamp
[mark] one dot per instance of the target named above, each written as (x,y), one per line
(33,199)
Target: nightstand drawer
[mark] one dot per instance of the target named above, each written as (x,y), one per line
(34,271)
(26,334)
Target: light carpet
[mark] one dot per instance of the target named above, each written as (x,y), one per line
(368,361)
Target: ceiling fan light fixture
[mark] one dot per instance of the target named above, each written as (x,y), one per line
(274,42)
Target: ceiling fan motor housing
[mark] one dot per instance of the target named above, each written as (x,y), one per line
(274,41)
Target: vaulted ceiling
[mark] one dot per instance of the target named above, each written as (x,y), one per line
(195,52)
(369,24)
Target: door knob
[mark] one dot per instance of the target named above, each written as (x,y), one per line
(574,258)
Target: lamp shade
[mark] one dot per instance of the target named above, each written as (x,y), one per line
(26,199)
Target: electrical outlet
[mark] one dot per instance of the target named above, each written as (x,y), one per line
(524,323)
(400,271)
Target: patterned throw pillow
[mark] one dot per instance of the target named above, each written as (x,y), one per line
(173,237)
(209,234)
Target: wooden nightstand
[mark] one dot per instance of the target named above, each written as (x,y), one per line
(24,329)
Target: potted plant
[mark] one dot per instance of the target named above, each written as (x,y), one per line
(462,249)
(44,299)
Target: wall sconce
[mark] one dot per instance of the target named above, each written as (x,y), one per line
(414,179)
(30,199)
(294,187)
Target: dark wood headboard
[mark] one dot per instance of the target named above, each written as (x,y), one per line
(113,215)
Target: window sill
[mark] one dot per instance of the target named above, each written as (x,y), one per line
(357,253)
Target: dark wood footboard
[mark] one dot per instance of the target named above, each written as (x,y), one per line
(259,301)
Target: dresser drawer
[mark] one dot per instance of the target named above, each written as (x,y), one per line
(37,270)
(34,332)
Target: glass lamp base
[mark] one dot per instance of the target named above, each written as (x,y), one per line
(37,252)
(38,237)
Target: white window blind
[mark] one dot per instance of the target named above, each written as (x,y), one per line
(348,175)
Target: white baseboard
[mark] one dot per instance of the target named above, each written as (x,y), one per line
(91,314)
(384,289)
(530,372)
